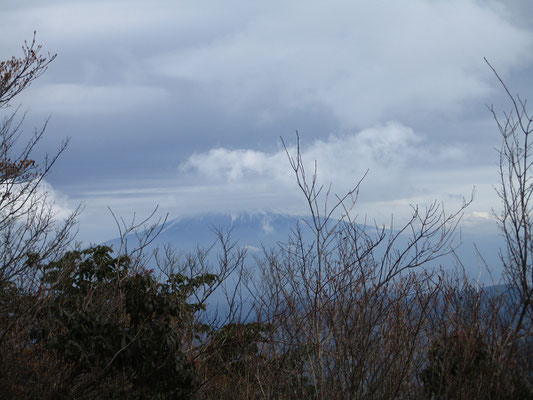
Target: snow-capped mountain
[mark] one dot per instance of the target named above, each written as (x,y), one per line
(266,229)
(250,230)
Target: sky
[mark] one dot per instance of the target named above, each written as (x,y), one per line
(182,104)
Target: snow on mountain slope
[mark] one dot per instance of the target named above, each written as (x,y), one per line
(254,231)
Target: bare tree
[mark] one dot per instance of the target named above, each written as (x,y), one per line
(515,190)
(348,302)
(30,233)
(17,73)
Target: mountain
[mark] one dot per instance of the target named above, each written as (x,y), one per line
(266,229)
(250,230)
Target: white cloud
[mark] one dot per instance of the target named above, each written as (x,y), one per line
(79,22)
(484,221)
(404,168)
(386,150)
(81,19)
(401,168)
(59,202)
(224,71)
(44,197)
(78,99)
(362,60)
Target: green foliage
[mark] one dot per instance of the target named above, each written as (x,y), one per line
(118,329)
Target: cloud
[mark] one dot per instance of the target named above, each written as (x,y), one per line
(484,221)
(210,85)
(61,206)
(78,99)
(391,147)
(81,19)
(44,197)
(128,22)
(391,153)
(364,61)
(404,168)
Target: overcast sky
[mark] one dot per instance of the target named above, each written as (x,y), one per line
(182,103)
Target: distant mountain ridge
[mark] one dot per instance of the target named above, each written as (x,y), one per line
(252,230)
(255,230)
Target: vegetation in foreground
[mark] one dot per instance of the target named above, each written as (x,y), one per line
(355,314)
